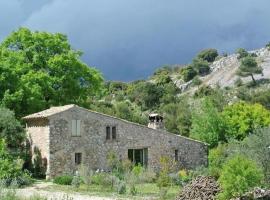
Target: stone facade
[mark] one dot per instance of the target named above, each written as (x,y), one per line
(51,132)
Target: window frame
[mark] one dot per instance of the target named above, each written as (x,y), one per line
(176,155)
(114,134)
(108,132)
(78,158)
(76,128)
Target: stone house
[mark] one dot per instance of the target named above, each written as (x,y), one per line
(68,136)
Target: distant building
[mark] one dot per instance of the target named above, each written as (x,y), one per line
(68,136)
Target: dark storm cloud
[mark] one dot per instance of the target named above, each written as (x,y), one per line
(127,39)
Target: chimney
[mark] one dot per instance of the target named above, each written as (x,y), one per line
(155,121)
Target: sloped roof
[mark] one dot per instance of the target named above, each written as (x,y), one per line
(49,112)
(55,110)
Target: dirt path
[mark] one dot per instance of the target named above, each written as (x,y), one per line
(40,189)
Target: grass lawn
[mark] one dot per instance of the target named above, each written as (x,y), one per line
(144,190)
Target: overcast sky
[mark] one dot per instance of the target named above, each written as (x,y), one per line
(128,39)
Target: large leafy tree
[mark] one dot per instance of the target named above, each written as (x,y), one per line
(242,119)
(39,69)
(207,124)
(249,67)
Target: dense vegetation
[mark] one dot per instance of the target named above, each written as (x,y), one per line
(40,69)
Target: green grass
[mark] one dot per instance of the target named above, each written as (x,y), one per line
(144,190)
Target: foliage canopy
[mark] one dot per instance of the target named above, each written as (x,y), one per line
(39,69)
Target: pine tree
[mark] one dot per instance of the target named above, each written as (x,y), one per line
(249,67)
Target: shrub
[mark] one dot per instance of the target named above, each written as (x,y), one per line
(188,73)
(217,157)
(164,180)
(76,181)
(204,90)
(268,45)
(63,180)
(208,55)
(256,147)
(238,82)
(10,168)
(196,81)
(201,66)
(137,170)
(102,178)
(147,176)
(86,174)
(10,129)
(238,175)
(241,53)
(121,187)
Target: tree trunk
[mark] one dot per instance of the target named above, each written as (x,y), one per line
(253,79)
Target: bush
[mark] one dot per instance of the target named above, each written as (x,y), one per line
(188,73)
(121,187)
(10,168)
(208,55)
(241,53)
(238,175)
(217,157)
(238,82)
(76,181)
(268,45)
(10,129)
(201,66)
(102,178)
(196,81)
(63,180)
(147,176)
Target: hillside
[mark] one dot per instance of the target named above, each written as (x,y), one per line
(223,71)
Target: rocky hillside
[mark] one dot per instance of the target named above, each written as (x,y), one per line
(223,71)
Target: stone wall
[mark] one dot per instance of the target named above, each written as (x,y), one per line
(94,147)
(38,136)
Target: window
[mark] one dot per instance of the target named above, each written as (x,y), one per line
(138,156)
(76,128)
(113,132)
(176,155)
(78,158)
(108,133)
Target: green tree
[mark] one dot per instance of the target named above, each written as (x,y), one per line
(177,117)
(40,69)
(238,175)
(201,66)
(9,166)
(241,53)
(145,94)
(208,55)
(242,119)
(249,67)
(257,147)
(10,128)
(207,124)
(188,73)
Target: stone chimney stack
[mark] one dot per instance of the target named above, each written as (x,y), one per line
(155,121)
